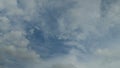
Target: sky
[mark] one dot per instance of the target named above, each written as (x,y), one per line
(59,34)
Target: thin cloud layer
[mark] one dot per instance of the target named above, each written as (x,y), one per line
(87,29)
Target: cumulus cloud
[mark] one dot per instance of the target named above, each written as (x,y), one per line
(14,51)
(87,26)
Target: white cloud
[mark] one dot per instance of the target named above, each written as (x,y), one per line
(13,42)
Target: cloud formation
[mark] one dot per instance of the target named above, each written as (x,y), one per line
(89,27)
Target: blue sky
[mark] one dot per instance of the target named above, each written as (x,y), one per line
(59,34)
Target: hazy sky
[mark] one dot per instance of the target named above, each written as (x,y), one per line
(59,33)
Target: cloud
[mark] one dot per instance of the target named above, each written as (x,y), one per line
(14,51)
(80,24)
